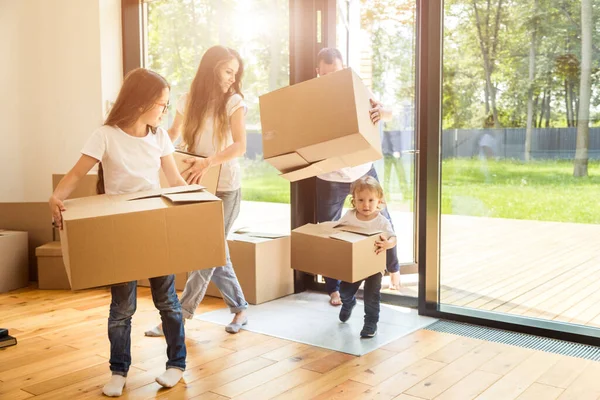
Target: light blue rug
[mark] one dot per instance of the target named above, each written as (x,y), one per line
(308,318)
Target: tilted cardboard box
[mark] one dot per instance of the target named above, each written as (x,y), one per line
(319,126)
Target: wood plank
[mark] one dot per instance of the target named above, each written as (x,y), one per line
(329,362)
(469,387)
(13,380)
(564,372)
(586,386)
(388,368)
(286,351)
(336,376)
(348,390)
(403,380)
(279,385)
(518,379)
(269,373)
(69,379)
(453,373)
(539,391)
(215,380)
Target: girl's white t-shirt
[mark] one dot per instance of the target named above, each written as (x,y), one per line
(230,178)
(379,223)
(131,164)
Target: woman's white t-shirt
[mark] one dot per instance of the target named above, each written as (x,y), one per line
(130,164)
(379,223)
(230,178)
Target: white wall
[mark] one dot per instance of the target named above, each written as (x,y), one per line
(60,62)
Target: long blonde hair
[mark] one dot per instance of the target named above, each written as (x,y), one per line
(206,97)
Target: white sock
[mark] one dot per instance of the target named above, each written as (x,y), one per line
(114,387)
(155,332)
(170,377)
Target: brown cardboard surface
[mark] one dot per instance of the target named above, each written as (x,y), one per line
(14,260)
(51,268)
(319,126)
(210,180)
(33,218)
(335,251)
(113,239)
(262,265)
(180,280)
(86,186)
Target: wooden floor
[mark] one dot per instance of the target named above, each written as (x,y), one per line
(63,354)
(547,270)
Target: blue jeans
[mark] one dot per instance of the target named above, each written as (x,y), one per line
(223,277)
(122,308)
(330,202)
(372,296)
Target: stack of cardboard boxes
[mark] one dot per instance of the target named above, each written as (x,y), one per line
(315,127)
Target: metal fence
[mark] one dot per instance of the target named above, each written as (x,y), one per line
(546,143)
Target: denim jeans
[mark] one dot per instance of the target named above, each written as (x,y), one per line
(223,277)
(372,296)
(122,308)
(330,202)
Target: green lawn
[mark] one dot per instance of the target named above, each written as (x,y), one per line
(539,190)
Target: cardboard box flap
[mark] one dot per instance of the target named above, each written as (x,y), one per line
(357,230)
(349,237)
(255,237)
(268,235)
(318,168)
(159,192)
(51,249)
(288,162)
(105,205)
(324,229)
(191,197)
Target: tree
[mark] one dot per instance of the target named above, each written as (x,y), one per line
(488,30)
(583,119)
(532,51)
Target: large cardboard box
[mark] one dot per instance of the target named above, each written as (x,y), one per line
(114,239)
(14,260)
(319,126)
(262,265)
(51,268)
(180,280)
(210,180)
(336,251)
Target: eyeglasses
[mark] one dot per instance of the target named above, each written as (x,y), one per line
(164,106)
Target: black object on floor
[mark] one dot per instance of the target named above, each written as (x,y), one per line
(7,341)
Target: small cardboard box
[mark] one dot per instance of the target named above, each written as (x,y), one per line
(180,280)
(113,239)
(319,126)
(210,180)
(14,260)
(262,265)
(51,268)
(336,251)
